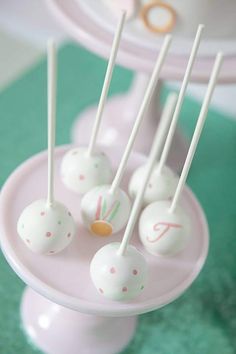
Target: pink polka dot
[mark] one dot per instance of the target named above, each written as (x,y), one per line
(124,289)
(101,291)
(112,270)
(48,234)
(42,213)
(81,177)
(69,235)
(135,272)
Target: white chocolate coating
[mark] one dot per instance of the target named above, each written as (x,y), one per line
(104,213)
(81,172)
(160,187)
(119,278)
(163,233)
(46,230)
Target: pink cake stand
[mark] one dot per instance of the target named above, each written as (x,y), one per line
(93,33)
(61,310)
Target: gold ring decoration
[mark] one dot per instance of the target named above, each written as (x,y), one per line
(145,13)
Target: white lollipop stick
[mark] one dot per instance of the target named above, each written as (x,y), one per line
(181,97)
(156,146)
(51,118)
(165,120)
(106,84)
(198,130)
(146,100)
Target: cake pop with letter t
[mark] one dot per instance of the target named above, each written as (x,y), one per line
(164,226)
(83,168)
(105,209)
(163,180)
(47,226)
(119,270)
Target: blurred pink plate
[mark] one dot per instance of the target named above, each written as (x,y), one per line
(79,23)
(64,278)
(135,33)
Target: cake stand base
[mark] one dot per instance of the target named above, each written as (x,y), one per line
(118,120)
(57,330)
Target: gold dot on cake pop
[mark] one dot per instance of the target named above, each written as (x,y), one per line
(102,225)
(101,228)
(149,7)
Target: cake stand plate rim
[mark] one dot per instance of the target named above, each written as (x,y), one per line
(79,304)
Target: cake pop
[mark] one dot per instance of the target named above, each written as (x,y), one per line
(164,226)
(105,209)
(163,180)
(83,168)
(47,226)
(118,270)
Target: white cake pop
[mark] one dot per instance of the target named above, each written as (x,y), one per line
(160,186)
(119,270)
(105,210)
(46,226)
(110,213)
(164,227)
(162,232)
(163,180)
(84,168)
(46,229)
(80,172)
(118,278)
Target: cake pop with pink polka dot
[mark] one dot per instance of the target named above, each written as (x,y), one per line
(118,270)
(105,209)
(84,168)
(47,226)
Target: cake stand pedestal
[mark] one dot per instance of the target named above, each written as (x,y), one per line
(61,310)
(58,330)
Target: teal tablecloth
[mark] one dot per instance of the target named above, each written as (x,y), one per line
(203,320)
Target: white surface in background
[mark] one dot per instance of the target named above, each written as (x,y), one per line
(16,56)
(29,20)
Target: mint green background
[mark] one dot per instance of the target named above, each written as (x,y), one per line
(203,320)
